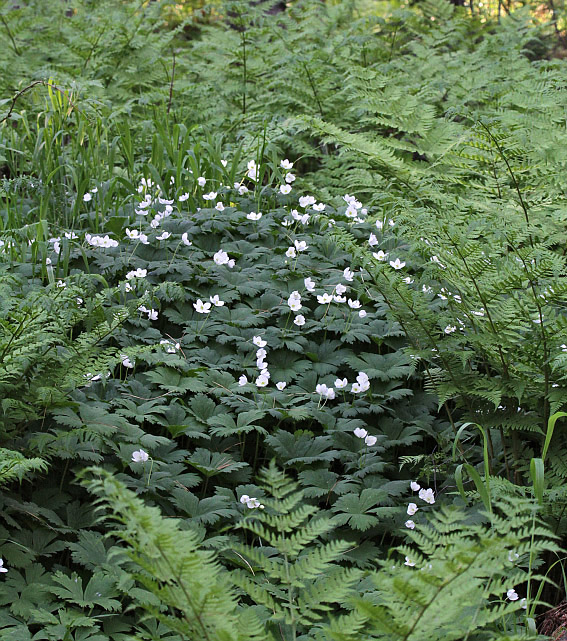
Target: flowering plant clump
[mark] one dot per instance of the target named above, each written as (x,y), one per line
(225,336)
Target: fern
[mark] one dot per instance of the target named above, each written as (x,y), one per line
(170,564)
(289,571)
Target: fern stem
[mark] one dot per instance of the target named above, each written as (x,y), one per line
(185,592)
(14,45)
(484,303)
(513,176)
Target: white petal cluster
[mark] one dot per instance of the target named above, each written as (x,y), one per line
(251,502)
(101,241)
(294,301)
(427,495)
(363,434)
(324,391)
(362,384)
(140,456)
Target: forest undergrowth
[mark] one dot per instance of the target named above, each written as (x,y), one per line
(283,342)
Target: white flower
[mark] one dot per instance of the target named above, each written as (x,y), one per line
(252,170)
(450,329)
(512,595)
(410,524)
(87,197)
(290,253)
(281,385)
(362,313)
(397,264)
(409,562)
(319,207)
(186,240)
(340,288)
(61,283)
(202,308)
(339,299)
(126,361)
(152,314)
(358,431)
(94,190)
(285,189)
(354,304)
(140,456)
(348,275)
(183,198)
(216,301)
(254,216)
(134,233)
(324,299)
(305,201)
(257,340)
(244,498)
(309,284)
(323,390)
(294,301)
(412,509)
(201,181)
(286,222)
(379,225)
(221,257)
(210,196)
(294,304)
(137,273)
(300,245)
(170,347)
(370,440)
(372,241)
(408,280)
(286,164)
(351,211)
(164,236)
(242,380)
(524,603)
(96,241)
(261,353)
(299,320)
(380,255)
(224,163)
(341,383)
(427,495)
(262,380)
(362,384)
(242,190)
(219,206)
(2,568)
(289,178)
(414,486)
(230,263)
